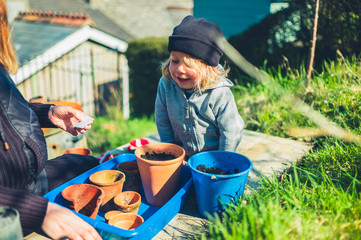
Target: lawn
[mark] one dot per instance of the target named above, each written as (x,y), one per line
(319,196)
(316,198)
(111,131)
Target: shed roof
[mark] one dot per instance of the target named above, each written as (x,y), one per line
(39,43)
(32,39)
(102,22)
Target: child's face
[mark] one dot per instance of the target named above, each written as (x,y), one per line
(186,77)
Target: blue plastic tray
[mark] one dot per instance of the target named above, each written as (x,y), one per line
(155,218)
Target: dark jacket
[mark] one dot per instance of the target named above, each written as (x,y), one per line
(23,154)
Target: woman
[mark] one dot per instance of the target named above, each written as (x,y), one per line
(25,172)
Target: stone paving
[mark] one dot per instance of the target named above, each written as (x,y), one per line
(270,155)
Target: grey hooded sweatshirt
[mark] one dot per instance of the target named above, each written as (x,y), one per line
(205,121)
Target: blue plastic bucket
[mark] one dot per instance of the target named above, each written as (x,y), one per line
(215,191)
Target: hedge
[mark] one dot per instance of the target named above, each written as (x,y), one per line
(145,57)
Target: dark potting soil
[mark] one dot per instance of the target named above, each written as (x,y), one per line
(214,170)
(158,156)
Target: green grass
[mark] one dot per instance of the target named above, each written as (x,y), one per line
(111,131)
(316,198)
(319,196)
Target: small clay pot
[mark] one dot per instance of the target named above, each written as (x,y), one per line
(110,214)
(128,201)
(38,99)
(85,198)
(80,151)
(127,221)
(132,175)
(72,104)
(111,182)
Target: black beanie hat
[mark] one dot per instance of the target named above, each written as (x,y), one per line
(196,37)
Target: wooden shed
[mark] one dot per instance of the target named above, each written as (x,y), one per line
(63,57)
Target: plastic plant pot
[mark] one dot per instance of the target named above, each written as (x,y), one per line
(159,178)
(215,191)
(110,214)
(127,221)
(111,182)
(128,201)
(85,198)
(80,151)
(132,175)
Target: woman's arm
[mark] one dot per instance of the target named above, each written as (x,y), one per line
(32,208)
(42,110)
(64,117)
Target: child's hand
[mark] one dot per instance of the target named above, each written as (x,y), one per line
(135,143)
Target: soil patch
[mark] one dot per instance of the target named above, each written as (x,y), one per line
(215,170)
(158,156)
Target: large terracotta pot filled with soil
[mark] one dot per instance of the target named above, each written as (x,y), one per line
(128,201)
(219,178)
(159,166)
(84,198)
(132,175)
(127,221)
(111,182)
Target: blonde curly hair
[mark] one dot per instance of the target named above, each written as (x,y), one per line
(210,75)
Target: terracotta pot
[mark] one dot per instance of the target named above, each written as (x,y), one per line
(128,221)
(159,178)
(128,201)
(39,99)
(85,198)
(67,103)
(80,151)
(110,214)
(111,182)
(132,175)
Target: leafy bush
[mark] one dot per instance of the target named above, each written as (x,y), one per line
(144,59)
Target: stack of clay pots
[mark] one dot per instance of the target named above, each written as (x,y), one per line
(106,194)
(110,192)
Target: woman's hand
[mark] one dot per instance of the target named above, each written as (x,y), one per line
(66,117)
(60,222)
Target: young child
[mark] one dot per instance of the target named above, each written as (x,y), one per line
(195,107)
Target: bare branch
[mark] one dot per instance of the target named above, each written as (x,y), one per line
(313,46)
